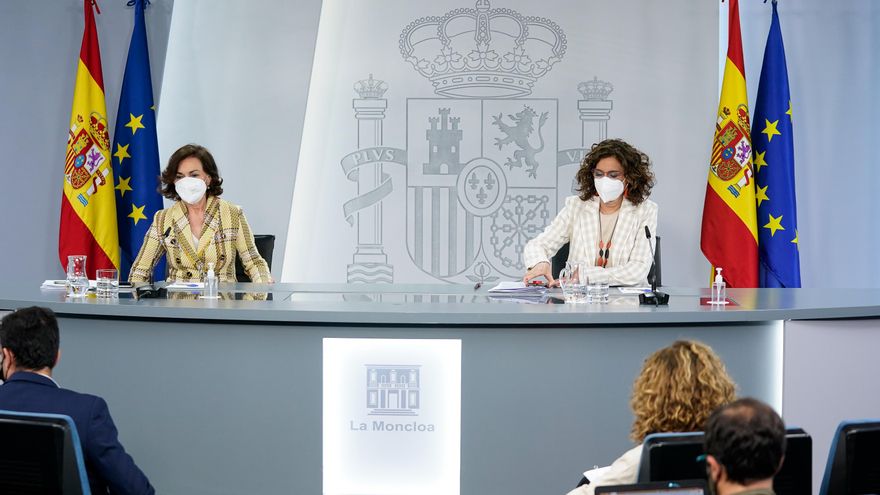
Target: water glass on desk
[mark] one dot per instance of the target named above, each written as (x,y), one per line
(572,282)
(107,282)
(77,279)
(597,292)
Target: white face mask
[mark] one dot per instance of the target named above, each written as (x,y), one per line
(191,189)
(609,189)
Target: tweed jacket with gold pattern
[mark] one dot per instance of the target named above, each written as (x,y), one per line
(225,235)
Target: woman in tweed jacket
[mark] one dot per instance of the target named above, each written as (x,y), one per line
(200,228)
(605,225)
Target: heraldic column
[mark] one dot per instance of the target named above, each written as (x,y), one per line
(369,263)
(595,111)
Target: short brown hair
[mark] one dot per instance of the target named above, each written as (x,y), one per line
(678,388)
(747,437)
(169,175)
(31,334)
(636,170)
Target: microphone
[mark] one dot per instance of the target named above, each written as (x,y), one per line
(653,257)
(654,297)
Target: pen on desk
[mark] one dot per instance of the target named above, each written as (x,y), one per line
(478,285)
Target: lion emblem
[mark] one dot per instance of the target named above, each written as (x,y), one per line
(519,133)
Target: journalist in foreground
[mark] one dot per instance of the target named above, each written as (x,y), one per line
(200,228)
(677,390)
(30,348)
(605,224)
(745,445)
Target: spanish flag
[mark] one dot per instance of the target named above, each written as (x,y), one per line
(88,205)
(729,236)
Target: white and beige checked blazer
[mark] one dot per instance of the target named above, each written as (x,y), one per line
(225,234)
(578,223)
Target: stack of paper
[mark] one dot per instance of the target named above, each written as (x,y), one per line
(61,285)
(517,289)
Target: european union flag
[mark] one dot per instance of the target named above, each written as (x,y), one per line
(136,151)
(779,264)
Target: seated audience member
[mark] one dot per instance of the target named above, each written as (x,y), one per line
(745,442)
(605,224)
(29,343)
(678,388)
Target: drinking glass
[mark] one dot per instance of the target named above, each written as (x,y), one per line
(77,279)
(597,292)
(107,282)
(571,280)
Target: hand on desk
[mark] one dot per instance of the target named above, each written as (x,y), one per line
(542,269)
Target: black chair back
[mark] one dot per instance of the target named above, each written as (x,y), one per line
(557,262)
(671,457)
(796,474)
(41,454)
(265,246)
(853,466)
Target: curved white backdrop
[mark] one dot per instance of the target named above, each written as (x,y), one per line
(376,199)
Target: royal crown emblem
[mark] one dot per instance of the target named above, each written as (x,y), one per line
(370,88)
(482,52)
(595,90)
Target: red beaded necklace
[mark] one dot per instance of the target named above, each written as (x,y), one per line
(605,249)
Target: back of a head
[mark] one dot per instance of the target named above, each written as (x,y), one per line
(747,437)
(31,334)
(678,388)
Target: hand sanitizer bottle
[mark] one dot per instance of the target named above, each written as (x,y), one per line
(211,284)
(719,289)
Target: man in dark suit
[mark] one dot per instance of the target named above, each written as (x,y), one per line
(29,344)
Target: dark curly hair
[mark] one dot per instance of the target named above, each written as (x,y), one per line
(169,175)
(636,170)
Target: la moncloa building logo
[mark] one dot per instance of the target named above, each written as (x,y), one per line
(393,390)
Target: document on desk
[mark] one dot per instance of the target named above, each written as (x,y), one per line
(634,290)
(62,284)
(185,286)
(518,289)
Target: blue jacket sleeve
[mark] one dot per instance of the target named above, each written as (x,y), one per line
(109,458)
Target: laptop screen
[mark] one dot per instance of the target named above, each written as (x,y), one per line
(663,488)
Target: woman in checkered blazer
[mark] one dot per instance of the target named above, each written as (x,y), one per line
(200,228)
(605,225)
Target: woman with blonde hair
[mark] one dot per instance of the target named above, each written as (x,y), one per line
(676,391)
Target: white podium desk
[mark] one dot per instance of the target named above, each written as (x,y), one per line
(225,396)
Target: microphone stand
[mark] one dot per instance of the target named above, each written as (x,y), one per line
(653,298)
